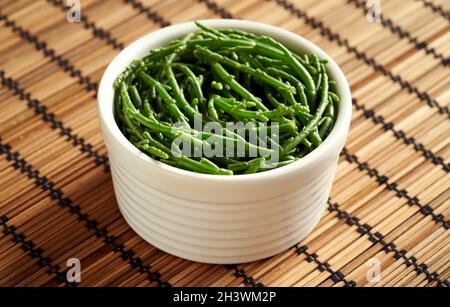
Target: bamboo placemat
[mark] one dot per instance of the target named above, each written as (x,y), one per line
(390,199)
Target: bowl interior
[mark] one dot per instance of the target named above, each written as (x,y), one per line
(141,47)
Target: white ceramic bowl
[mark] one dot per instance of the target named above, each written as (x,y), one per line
(220,219)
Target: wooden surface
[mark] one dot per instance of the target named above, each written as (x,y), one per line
(390,199)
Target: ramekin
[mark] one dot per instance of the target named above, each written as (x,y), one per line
(220,219)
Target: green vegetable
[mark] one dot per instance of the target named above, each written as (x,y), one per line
(284,103)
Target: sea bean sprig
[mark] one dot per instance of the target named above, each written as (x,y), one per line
(221,76)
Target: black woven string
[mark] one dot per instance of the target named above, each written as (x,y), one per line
(51,54)
(240,273)
(35,252)
(402,33)
(39,108)
(382,179)
(213,6)
(87,24)
(42,46)
(55,123)
(336,276)
(151,15)
(436,8)
(333,36)
(401,135)
(46,185)
(366,229)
